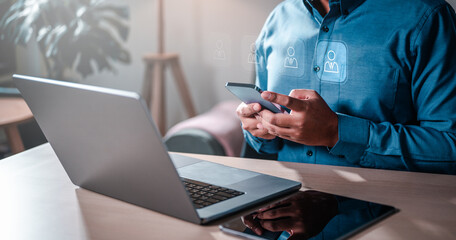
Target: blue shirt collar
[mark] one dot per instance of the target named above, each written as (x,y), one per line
(346,6)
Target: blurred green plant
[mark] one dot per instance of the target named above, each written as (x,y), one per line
(79,35)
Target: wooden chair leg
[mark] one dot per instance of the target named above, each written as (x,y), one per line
(158,97)
(148,78)
(14,139)
(182,86)
(154,86)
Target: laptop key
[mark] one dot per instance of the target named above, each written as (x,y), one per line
(212,200)
(205,204)
(220,198)
(224,194)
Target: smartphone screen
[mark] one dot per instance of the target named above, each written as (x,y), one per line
(250,93)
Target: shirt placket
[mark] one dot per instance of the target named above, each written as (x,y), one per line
(326,28)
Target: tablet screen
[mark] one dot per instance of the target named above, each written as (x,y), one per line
(309,215)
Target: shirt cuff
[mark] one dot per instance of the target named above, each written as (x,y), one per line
(353,138)
(262,146)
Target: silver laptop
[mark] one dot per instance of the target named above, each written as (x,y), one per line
(107,142)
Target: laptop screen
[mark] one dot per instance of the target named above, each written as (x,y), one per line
(309,215)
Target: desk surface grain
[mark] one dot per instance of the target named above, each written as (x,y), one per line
(38,201)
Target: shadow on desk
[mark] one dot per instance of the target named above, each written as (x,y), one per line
(109,218)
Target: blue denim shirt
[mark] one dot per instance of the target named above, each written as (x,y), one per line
(387,68)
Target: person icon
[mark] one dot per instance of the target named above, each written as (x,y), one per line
(290,61)
(331,66)
(252,55)
(219,51)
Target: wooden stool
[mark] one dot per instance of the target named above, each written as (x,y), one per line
(154,86)
(14,111)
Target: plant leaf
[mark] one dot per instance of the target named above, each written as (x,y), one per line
(121,28)
(122,12)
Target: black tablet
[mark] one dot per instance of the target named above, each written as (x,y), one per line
(308,215)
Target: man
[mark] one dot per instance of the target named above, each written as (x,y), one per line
(369,83)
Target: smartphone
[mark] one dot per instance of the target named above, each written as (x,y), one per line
(250,93)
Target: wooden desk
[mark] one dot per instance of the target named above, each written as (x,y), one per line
(38,201)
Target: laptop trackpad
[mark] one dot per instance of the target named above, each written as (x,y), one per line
(214,173)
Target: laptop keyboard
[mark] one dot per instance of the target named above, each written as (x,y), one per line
(204,194)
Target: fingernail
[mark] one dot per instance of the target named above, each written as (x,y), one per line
(257,231)
(267,95)
(260,126)
(256,107)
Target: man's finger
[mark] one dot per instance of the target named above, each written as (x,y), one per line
(280,120)
(262,132)
(277,225)
(278,131)
(250,124)
(282,203)
(245,110)
(284,100)
(277,213)
(303,93)
(252,224)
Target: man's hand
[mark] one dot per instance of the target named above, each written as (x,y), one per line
(310,122)
(248,114)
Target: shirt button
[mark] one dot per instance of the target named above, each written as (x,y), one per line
(316,68)
(325,29)
(310,153)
